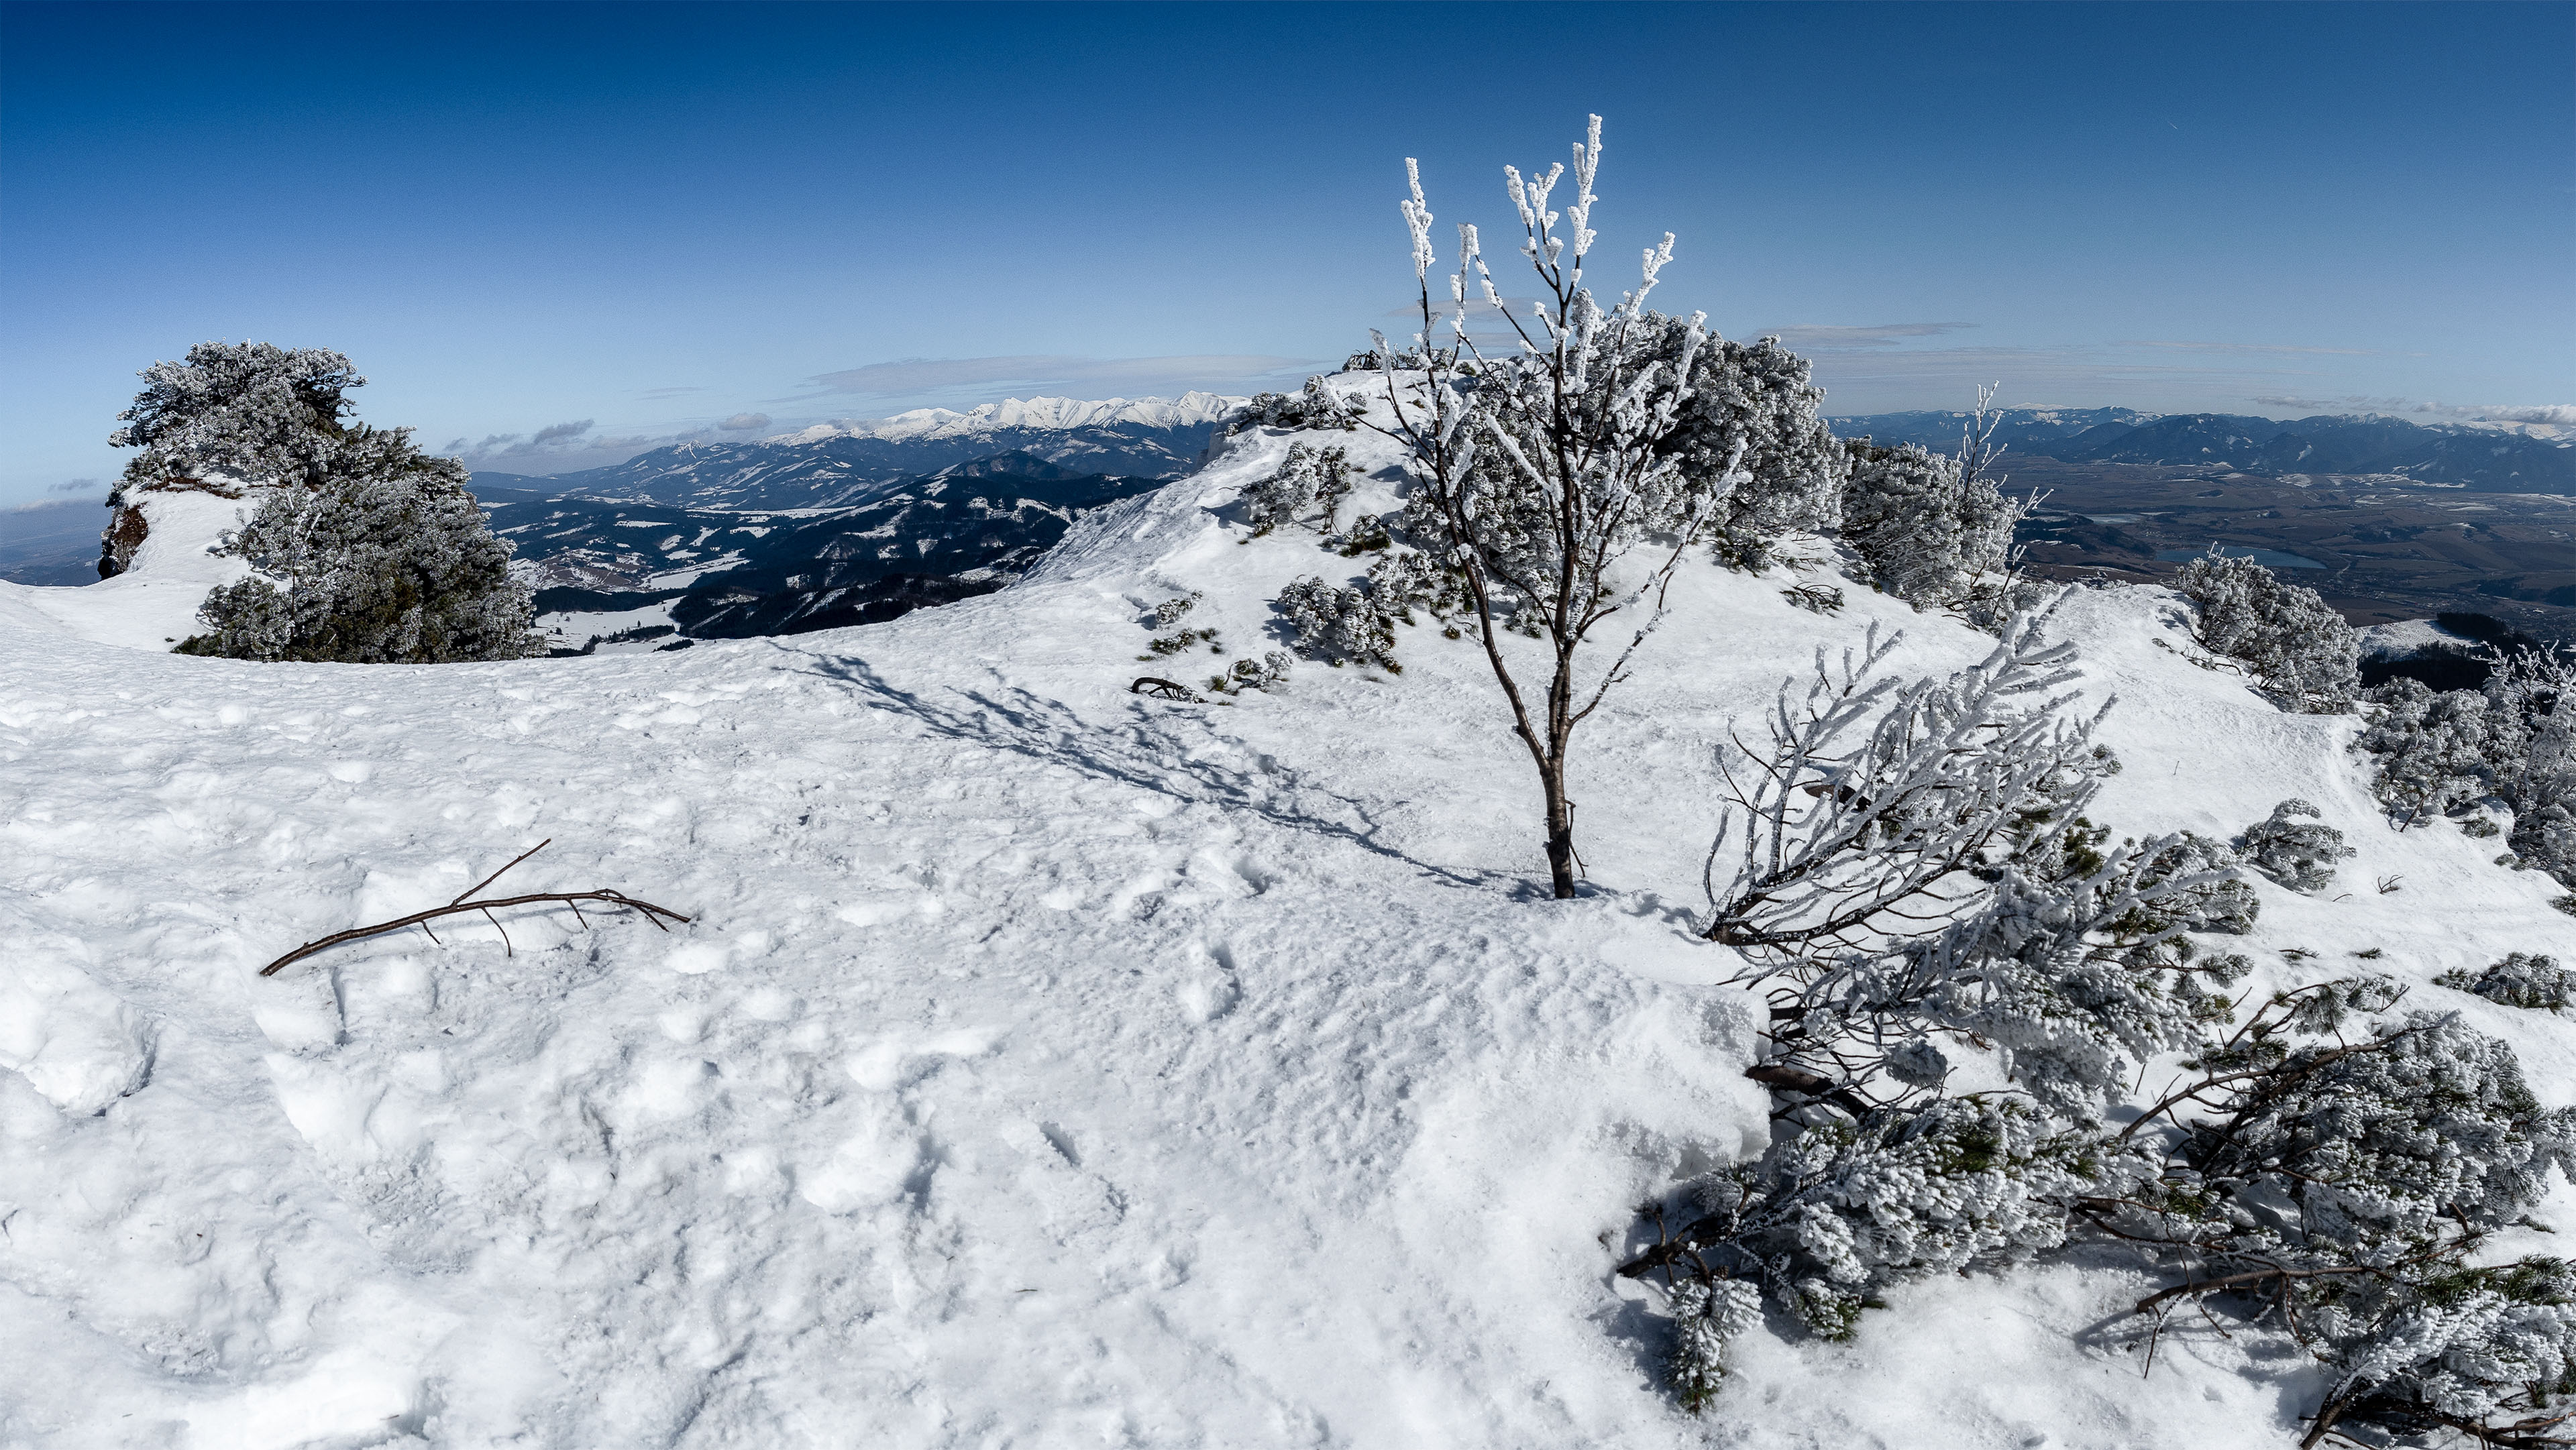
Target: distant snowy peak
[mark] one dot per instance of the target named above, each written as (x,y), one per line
(1035,414)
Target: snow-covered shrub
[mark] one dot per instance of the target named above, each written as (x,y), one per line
(1932,533)
(1317,406)
(2285,636)
(363,548)
(2514,739)
(2339,1189)
(2433,749)
(1269,673)
(2300,855)
(1839,1211)
(382,556)
(2520,980)
(1707,1314)
(1875,791)
(1410,580)
(1169,612)
(1749,436)
(1340,626)
(1306,480)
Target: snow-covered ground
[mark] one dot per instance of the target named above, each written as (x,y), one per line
(1044,1066)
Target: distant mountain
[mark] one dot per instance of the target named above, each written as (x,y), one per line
(838,466)
(735,573)
(2326,444)
(2024,430)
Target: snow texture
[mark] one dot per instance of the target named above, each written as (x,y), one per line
(1044,1066)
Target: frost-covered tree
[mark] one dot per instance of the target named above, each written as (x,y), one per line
(1876,793)
(382,558)
(250,412)
(363,549)
(2300,855)
(2433,750)
(1934,529)
(2284,635)
(1537,475)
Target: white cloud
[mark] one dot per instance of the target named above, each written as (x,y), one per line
(74,485)
(2265,349)
(1818,338)
(744,422)
(2556,414)
(555,432)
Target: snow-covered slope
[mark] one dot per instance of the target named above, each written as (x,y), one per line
(1044,1066)
(153,604)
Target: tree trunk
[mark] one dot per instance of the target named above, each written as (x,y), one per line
(1560,827)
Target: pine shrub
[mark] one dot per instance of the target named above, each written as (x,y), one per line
(1340,626)
(2284,635)
(2300,855)
(1929,532)
(2520,980)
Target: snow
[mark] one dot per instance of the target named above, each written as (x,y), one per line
(153,604)
(1044,1065)
(1035,413)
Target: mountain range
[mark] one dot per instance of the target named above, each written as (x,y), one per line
(836,465)
(2337,445)
(731,573)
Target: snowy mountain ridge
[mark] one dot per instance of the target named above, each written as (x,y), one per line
(1042,1064)
(1045,414)
(838,465)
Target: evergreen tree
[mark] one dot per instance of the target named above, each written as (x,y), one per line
(364,549)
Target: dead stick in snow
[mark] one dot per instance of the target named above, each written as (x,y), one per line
(460,905)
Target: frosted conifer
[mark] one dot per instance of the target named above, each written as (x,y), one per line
(1340,626)
(2300,855)
(2285,636)
(2520,980)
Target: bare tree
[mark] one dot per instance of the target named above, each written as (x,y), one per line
(1543,470)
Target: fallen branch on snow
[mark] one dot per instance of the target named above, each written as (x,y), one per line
(463,904)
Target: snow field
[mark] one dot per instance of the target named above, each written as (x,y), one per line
(1045,1065)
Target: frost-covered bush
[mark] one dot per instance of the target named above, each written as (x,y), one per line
(1839,1211)
(1268,673)
(1411,580)
(1170,611)
(2514,739)
(1316,406)
(2300,855)
(1749,434)
(2285,636)
(1931,531)
(1307,480)
(2433,749)
(382,557)
(1875,790)
(2520,980)
(1340,626)
(2338,1188)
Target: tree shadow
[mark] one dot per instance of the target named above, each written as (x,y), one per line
(1146,755)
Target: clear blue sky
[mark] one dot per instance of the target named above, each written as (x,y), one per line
(652,219)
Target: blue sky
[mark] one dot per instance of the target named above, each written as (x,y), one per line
(652,220)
